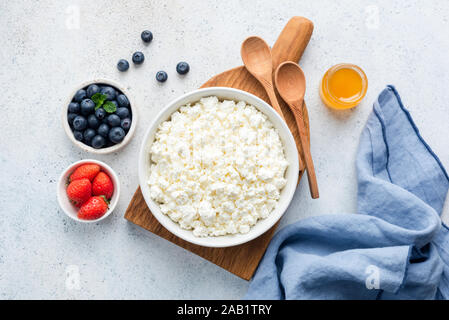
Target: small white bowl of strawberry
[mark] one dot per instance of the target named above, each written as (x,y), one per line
(88,190)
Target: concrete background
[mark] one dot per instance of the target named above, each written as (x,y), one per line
(46,51)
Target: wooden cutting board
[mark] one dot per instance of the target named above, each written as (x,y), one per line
(241,260)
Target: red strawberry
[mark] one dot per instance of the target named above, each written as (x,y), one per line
(88,171)
(102,186)
(93,209)
(79,191)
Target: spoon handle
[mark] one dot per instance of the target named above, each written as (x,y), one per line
(273,99)
(311,176)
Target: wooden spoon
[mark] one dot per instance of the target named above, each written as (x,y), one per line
(256,55)
(291,85)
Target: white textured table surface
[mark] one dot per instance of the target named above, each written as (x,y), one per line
(45,53)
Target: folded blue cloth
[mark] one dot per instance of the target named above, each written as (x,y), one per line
(395,248)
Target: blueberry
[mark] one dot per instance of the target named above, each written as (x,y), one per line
(93,122)
(98,142)
(78,135)
(92,89)
(74,107)
(122,113)
(109,92)
(80,95)
(103,130)
(122,100)
(70,118)
(100,113)
(182,67)
(113,120)
(126,124)
(122,65)
(161,76)
(116,134)
(115,103)
(87,107)
(138,57)
(88,135)
(79,123)
(146,36)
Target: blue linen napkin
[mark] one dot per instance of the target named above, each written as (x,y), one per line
(395,248)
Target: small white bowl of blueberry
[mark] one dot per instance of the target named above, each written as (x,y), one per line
(100,116)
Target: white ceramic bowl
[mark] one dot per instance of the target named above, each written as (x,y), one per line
(113,148)
(291,174)
(64,201)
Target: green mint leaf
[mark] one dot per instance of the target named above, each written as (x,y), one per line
(99,99)
(109,107)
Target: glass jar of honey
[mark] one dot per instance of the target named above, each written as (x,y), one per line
(343,86)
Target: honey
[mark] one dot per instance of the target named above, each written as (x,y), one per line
(343,86)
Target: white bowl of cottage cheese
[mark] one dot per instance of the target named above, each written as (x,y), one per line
(218,167)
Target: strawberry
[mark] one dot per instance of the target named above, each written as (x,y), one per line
(102,186)
(79,191)
(88,171)
(93,209)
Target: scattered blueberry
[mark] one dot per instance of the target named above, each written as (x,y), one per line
(122,65)
(92,89)
(98,142)
(113,120)
(126,124)
(146,36)
(71,117)
(138,57)
(80,95)
(74,107)
(93,122)
(122,100)
(103,130)
(109,92)
(88,135)
(122,113)
(79,123)
(78,135)
(116,134)
(161,76)
(87,107)
(100,113)
(182,67)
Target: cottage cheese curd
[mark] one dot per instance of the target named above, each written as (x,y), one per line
(217,167)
